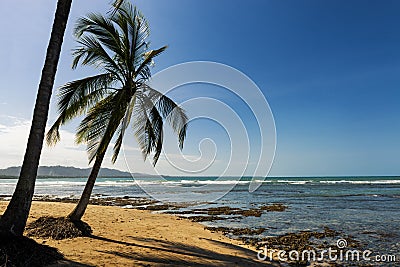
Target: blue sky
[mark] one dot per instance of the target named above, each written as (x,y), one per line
(329,70)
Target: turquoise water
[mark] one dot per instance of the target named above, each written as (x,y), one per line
(367,208)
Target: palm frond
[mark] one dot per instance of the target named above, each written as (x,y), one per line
(75,98)
(139,31)
(102,28)
(143,71)
(122,25)
(92,53)
(53,135)
(123,126)
(116,5)
(148,127)
(117,44)
(96,119)
(73,92)
(156,123)
(170,111)
(99,126)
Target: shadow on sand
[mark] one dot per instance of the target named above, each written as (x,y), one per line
(23,251)
(166,253)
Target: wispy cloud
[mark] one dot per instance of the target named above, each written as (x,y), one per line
(14,133)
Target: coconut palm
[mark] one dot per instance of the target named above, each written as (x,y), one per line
(116,45)
(14,218)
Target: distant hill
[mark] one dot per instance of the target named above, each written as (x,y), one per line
(62,171)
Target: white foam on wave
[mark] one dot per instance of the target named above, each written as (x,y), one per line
(335,182)
(60,183)
(116,183)
(362,182)
(8,184)
(299,182)
(182,182)
(226,182)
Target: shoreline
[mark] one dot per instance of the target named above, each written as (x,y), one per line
(192,232)
(131,237)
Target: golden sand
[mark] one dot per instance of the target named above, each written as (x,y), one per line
(128,237)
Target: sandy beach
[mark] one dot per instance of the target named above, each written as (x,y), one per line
(128,237)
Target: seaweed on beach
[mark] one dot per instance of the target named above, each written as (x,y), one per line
(103,201)
(301,241)
(279,207)
(295,241)
(255,212)
(23,251)
(178,212)
(236,231)
(225,210)
(57,228)
(158,207)
(155,207)
(205,218)
(213,213)
(250,212)
(122,201)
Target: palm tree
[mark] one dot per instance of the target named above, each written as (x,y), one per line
(117,45)
(14,218)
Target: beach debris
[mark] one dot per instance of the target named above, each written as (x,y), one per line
(57,228)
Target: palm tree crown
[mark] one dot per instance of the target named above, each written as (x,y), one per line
(117,45)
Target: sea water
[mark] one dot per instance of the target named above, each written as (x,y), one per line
(368,208)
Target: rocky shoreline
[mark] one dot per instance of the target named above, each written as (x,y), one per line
(299,241)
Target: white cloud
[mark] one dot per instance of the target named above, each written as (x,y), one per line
(11,145)
(14,135)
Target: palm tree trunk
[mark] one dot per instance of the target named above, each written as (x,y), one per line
(14,218)
(77,213)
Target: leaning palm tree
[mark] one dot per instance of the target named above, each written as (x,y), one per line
(117,45)
(14,218)
(13,221)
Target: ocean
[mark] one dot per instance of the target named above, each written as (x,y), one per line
(366,208)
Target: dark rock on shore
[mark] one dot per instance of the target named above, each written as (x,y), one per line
(205,218)
(274,207)
(236,231)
